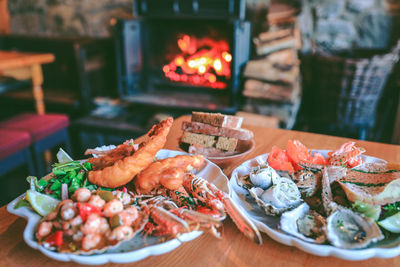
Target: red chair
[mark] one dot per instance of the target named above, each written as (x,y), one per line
(47,131)
(14,150)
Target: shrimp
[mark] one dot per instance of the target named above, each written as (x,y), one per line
(124,197)
(67,210)
(81,195)
(122,164)
(122,232)
(92,224)
(44,229)
(97,201)
(112,208)
(91,241)
(168,172)
(127,218)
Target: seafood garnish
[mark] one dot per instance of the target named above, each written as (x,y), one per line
(91,223)
(346,228)
(304,223)
(121,164)
(347,155)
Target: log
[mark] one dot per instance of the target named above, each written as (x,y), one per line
(264,70)
(273,92)
(272,35)
(276,45)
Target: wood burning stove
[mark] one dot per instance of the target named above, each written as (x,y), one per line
(183,54)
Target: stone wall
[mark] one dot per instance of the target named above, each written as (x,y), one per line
(348,24)
(66,17)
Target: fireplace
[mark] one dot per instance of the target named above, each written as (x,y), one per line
(180,54)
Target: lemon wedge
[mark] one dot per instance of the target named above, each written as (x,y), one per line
(41,203)
(63,157)
(391,223)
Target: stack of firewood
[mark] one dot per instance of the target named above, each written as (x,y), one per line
(272,77)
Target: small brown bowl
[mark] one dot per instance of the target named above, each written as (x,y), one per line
(244,148)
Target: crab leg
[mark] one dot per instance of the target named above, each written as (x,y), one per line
(208,192)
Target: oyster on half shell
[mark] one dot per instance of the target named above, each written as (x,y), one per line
(304,223)
(346,228)
(272,192)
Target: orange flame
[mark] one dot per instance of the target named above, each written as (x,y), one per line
(203,62)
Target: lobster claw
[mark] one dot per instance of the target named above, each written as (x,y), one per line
(244,224)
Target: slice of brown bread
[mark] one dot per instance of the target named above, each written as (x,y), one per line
(198,127)
(201,139)
(217,119)
(208,151)
(226,143)
(223,143)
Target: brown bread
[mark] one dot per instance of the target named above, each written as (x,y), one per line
(226,143)
(208,151)
(198,127)
(223,143)
(217,119)
(201,139)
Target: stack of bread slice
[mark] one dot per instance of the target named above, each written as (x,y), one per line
(214,134)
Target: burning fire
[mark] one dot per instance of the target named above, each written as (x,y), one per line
(202,62)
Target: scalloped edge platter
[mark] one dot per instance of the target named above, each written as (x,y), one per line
(133,250)
(268,224)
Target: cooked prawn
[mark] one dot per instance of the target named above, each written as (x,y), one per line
(122,164)
(90,241)
(168,172)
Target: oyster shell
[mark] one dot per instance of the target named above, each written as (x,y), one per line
(346,228)
(262,176)
(349,230)
(305,224)
(283,195)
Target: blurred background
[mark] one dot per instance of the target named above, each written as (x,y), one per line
(103,71)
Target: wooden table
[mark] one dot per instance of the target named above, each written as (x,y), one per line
(234,249)
(26,65)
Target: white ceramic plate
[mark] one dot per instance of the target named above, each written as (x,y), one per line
(269,224)
(129,251)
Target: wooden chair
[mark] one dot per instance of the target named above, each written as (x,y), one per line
(46,132)
(14,150)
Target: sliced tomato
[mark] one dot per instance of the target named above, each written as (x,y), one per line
(278,160)
(317,158)
(297,152)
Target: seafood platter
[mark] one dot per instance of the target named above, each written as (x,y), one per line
(127,202)
(329,203)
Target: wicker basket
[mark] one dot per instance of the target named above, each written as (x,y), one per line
(345,91)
